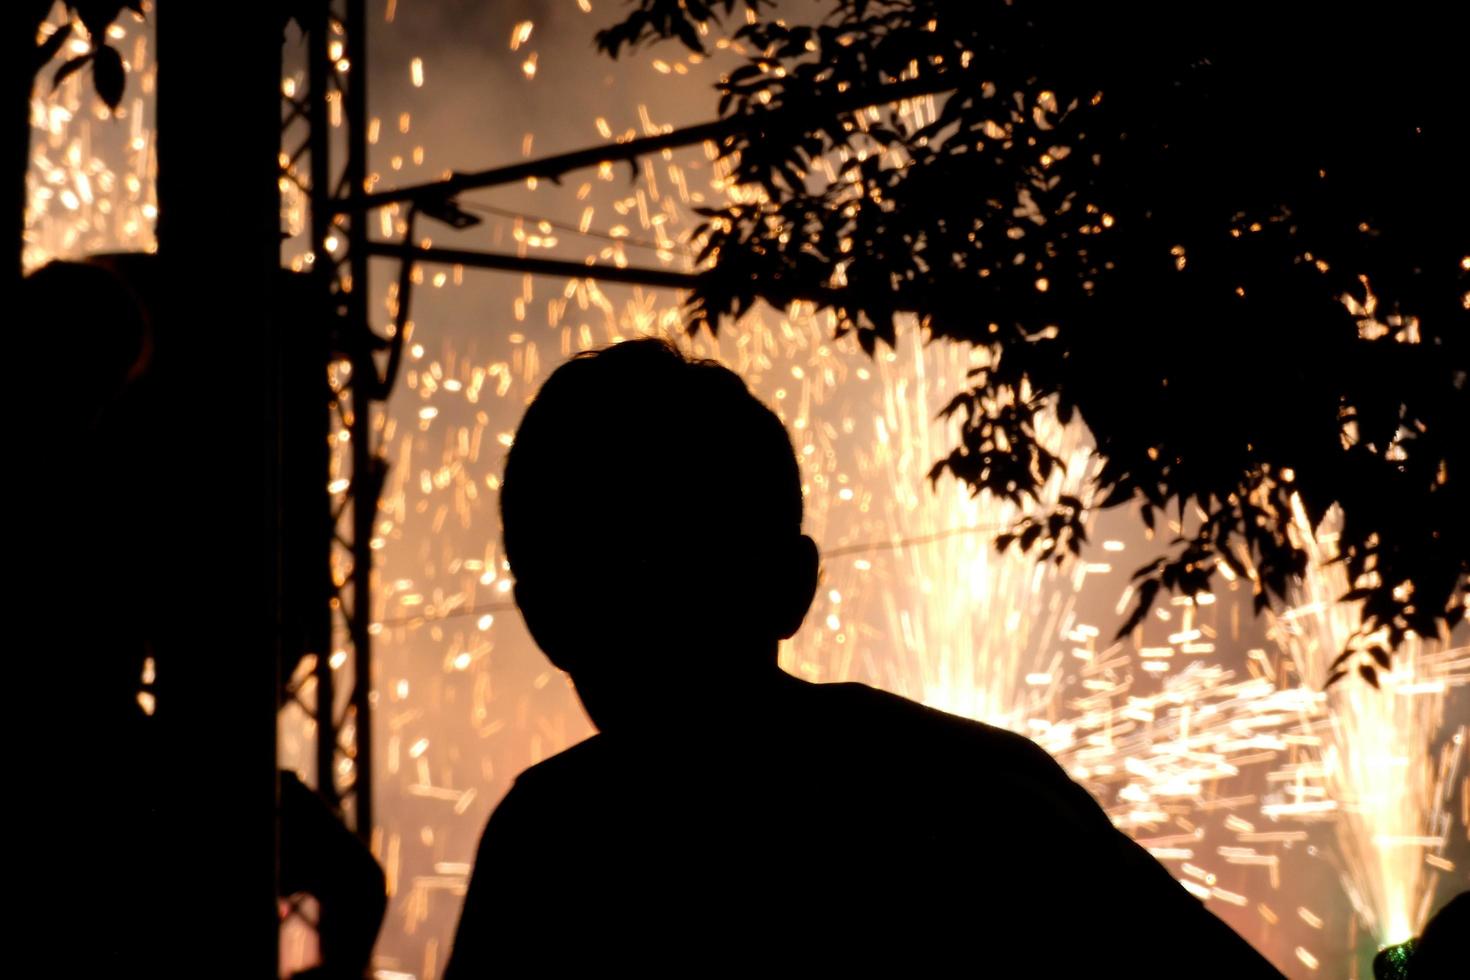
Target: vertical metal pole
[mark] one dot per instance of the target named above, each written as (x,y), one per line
(318,81)
(366,467)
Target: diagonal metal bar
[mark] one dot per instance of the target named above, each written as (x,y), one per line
(564,268)
(553,167)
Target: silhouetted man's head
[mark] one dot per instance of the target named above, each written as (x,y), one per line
(652,517)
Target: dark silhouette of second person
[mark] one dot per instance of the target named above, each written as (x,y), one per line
(729,817)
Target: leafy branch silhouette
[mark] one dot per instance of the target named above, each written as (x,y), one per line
(1238,254)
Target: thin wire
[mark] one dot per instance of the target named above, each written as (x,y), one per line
(851,549)
(572,229)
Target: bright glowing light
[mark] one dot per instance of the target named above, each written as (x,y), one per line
(1377,764)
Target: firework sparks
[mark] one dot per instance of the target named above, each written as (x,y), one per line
(965,628)
(1378,774)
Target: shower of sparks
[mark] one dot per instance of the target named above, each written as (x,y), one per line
(1377,773)
(938,614)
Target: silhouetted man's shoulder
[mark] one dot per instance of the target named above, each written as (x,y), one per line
(1005,817)
(568,765)
(963,757)
(918,726)
(846,751)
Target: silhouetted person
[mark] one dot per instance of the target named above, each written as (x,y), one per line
(108,528)
(320,857)
(92,534)
(728,815)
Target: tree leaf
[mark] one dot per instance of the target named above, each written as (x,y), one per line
(688,36)
(47,49)
(108,75)
(69,68)
(1146,594)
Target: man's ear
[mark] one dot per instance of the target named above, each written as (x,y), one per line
(544,624)
(799,586)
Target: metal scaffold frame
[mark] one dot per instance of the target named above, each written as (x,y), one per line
(327,126)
